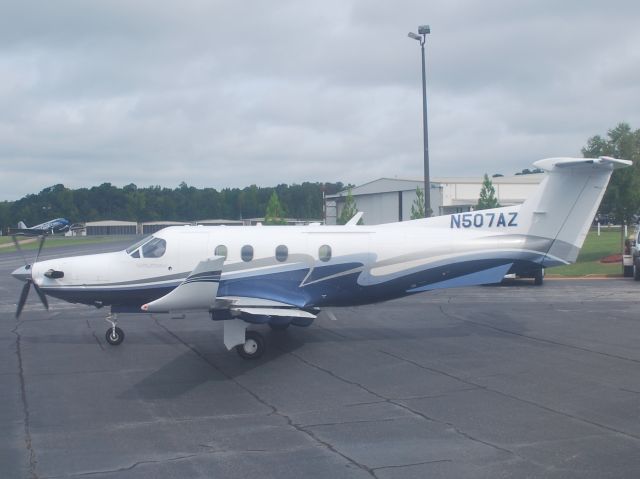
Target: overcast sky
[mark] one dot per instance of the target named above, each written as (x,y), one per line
(234,93)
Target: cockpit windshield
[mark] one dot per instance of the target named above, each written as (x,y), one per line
(150,247)
(135,246)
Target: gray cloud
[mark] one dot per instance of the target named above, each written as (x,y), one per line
(237,93)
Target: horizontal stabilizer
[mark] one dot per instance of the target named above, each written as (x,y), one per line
(196,293)
(549,164)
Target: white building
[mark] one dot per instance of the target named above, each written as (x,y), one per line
(387,200)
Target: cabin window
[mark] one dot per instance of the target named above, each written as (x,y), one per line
(282,253)
(324,252)
(135,254)
(154,248)
(221,250)
(246,253)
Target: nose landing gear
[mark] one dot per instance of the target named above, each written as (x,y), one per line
(114,334)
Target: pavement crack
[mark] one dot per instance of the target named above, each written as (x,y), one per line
(126,468)
(629,390)
(516,398)
(434,370)
(537,339)
(328,445)
(356,421)
(33,462)
(399,466)
(94,335)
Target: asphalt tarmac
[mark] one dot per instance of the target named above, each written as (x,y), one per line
(485,382)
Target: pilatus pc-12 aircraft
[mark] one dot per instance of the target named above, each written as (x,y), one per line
(284,276)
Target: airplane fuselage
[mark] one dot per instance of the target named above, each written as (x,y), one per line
(310,266)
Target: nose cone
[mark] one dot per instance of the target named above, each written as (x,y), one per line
(23,273)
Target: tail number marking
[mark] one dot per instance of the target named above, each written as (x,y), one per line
(480,220)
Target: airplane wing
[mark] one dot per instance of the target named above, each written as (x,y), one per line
(27,232)
(197,292)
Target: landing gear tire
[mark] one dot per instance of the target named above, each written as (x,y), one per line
(636,272)
(114,336)
(627,271)
(538,277)
(253,346)
(279,326)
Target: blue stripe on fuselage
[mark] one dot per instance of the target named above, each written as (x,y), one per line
(286,286)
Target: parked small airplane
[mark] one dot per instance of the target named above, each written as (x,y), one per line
(284,276)
(58,225)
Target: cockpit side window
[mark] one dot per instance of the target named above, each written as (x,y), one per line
(154,248)
(134,247)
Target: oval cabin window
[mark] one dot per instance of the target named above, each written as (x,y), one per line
(221,250)
(246,253)
(282,253)
(324,252)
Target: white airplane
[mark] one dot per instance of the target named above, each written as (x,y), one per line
(286,275)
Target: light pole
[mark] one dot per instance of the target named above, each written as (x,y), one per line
(423,31)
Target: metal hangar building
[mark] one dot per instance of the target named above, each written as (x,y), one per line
(387,200)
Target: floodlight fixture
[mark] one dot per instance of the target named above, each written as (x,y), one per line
(424,30)
(414,36)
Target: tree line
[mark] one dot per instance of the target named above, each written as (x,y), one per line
(621,202)
(184,203)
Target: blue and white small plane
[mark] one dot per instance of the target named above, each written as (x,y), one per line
(51,227)
(284,276)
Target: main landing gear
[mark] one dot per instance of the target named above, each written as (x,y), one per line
(253,346)
(114,334)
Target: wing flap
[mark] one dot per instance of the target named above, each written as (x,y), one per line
(285,312)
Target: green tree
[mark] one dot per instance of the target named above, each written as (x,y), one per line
(348,210)
(622,198)
(487,198)
(274,214)
(417,208)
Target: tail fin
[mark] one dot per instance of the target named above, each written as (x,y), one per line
(564,205)
(22,226)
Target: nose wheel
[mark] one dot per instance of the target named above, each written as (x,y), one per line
(114,334)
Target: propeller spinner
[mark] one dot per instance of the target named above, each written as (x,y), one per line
(25,274)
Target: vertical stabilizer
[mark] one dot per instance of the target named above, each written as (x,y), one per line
(564,205)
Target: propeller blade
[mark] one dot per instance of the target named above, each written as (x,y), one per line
(39,249)
(41,295)
(23,298)
(15,242)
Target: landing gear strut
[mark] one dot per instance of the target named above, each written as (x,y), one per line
(538,277)
(114,335)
